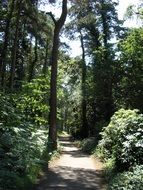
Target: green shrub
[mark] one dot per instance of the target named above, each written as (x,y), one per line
(88,144)
(131,180)
(21,155)
(98,129)
(33,101)
(22,145)
(122,139)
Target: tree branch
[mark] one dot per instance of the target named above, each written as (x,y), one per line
(52,17)
(63,15)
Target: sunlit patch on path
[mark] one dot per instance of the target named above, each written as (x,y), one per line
(73,171)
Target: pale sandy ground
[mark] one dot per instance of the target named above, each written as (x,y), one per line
(73,171)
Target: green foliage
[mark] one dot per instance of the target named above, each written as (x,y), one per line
(21,146)
(135,12)
(122,139)
(33,103)
(121,149)
(88,144)
(71,103)
(98,129)
(9,115)
(110,169)
(130,180)
(129,87)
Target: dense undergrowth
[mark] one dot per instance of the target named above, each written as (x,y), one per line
(128,180)
(23,136)
(121,149)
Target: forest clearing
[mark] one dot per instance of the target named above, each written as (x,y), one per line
(48,95)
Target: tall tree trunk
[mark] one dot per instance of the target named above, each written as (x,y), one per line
(104,24)
(20,70)
(45,65)
(84,129)
(15,46)
(107,65)
(33,63)
(53,82)
(5,44)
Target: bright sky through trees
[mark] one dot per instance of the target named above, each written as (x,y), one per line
(48,90)
(123,4)
(75,45)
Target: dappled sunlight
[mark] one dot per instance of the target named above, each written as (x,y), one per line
(71,95)
(74,170)
(70,178)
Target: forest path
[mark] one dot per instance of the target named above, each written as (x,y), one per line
(73,171)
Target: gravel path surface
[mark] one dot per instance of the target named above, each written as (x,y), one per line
(73,171)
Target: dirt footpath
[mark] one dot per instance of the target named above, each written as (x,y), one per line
(73,171)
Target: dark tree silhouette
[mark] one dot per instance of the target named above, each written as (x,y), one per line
(53,86)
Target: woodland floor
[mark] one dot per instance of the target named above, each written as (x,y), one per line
(74,170)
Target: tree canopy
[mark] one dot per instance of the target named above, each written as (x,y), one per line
(44,90)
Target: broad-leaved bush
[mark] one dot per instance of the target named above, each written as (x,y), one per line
(129,180)
(122,139)
(22,145)
(88,144)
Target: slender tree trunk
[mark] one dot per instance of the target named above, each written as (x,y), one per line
(84,129)
(53,93)
(107,65)
(33,63)
(20,71)
(53,82)
(5,44)
(45,65)
(105,25)
(95,34)
(15,46)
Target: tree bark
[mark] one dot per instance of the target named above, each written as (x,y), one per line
(53,82)
(105,24)
(45,65)
(33,63)
(5,44)
(84,129)
(15,46)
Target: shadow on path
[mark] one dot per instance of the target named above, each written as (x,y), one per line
(68,178)
(73,171)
